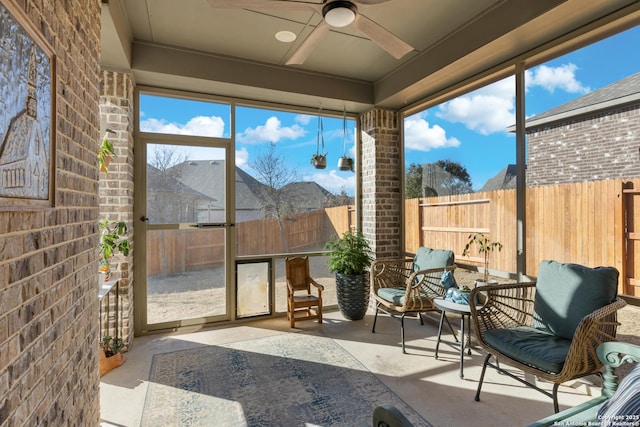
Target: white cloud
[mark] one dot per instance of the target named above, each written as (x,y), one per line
(492,108)
(199,125)
(333,181)
(242,157)
(303,119)
(485,111)
(271,131)
(419,136)
(550,79)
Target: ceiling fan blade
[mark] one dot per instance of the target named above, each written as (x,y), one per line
(382,37)
(309,44)
(266,4)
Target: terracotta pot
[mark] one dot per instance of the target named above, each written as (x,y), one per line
(107,162)
(109,363)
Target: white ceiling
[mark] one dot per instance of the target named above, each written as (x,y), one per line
(191,45)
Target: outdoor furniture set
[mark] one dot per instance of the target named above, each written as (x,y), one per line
(549,329)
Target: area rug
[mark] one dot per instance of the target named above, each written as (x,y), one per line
(282,380)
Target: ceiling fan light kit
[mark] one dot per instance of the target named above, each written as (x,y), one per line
(339,13)
(335,14)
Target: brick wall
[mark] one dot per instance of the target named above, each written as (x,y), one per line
(601,146)
(48,256)
(116,186)
(381,179)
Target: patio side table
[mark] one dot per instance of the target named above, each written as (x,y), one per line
(465,313)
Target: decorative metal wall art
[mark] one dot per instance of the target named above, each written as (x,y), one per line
(26,112)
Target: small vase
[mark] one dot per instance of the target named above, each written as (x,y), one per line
(105,268)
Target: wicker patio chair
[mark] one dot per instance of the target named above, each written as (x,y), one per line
(408,285)
(551,328)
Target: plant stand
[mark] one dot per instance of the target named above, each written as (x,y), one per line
(353,295)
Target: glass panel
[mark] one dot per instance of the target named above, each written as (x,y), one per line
(185,274)
(252,281)
(460,176)
(283,203)
(185,184)
(582,142)
(185,265)
(179,116)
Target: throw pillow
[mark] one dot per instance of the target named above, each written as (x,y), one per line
(623,408)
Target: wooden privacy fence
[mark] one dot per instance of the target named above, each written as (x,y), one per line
(177,251)
(591,223)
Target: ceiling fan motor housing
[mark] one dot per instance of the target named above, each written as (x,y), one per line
(339,13)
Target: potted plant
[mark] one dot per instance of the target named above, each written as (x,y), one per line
(105,152)
(345,163)
(111,240)
(350,258)
(319,161)
(110,354)
(485,247)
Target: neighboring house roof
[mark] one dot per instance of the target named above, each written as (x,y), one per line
(169,184)
(307,195)
(505,179)
(207,177)
(625,91)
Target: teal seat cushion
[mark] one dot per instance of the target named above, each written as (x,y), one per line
(397,296)
(427,258)
(565,293)
(532,346)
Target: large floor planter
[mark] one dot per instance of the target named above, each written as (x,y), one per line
(353,295)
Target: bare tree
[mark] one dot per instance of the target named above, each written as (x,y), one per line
(272,171)
(165,200)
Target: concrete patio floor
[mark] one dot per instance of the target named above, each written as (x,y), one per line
(432,387)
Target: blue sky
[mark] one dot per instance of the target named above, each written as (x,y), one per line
(470,129)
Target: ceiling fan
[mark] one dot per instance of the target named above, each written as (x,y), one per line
(336,14)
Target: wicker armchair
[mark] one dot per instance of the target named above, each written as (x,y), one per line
(522,325)
(408,286)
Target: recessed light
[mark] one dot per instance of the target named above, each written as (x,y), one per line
(285,36)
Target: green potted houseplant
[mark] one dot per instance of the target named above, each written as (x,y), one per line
(350,258)
(112,239)
(110,354)
(485,247)
(105,152)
